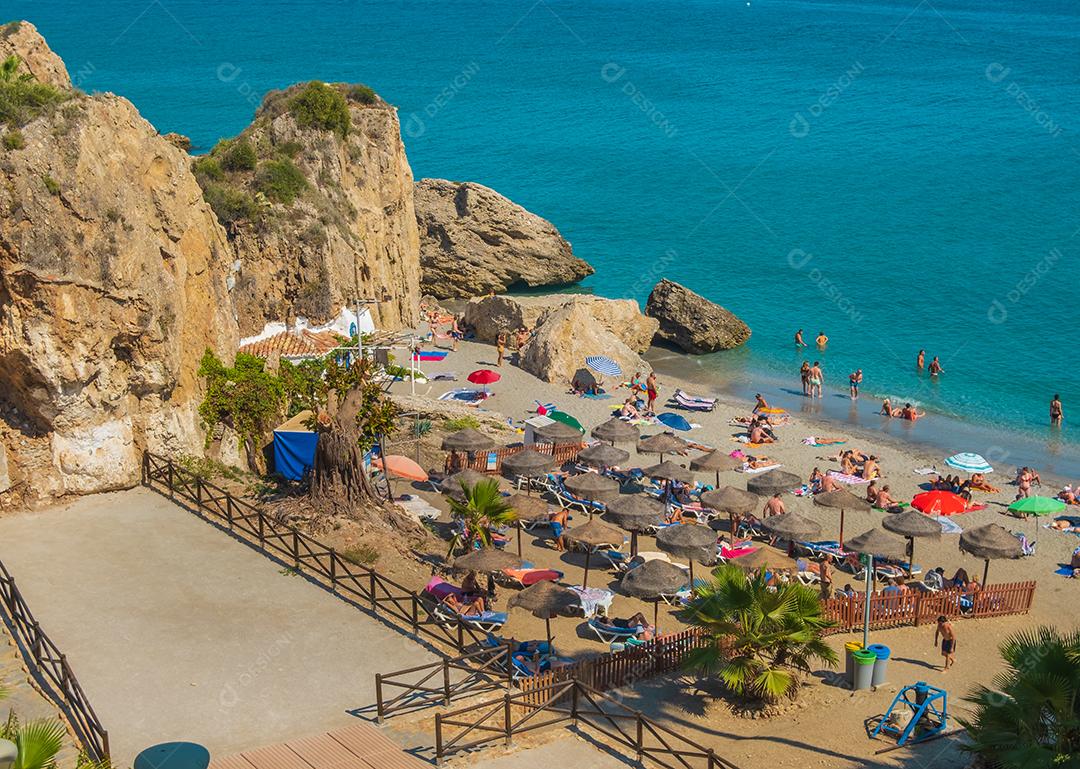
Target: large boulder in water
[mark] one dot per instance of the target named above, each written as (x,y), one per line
(693,323)
(566,335)
(474,241)
(622,317)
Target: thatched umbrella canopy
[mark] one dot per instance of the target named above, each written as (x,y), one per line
(766,558)
(603,455)
(912,524)
(878,542)
(662,443)
(451,485)
(843,501)
(634,513)
(528,462)
(693,542)
(651,580)
(715,461)
(526,509)
(592,535)
(546,599)
(557,432)
(990,541)
(735,502)
(669,471)
(616,431)
(773,482)
(792,526)
(468,439)
(592,486)
(486,560)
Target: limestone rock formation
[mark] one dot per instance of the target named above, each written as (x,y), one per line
(474,241)
(621,317)
(692,322)
(566,335)
(317,219)
(21,38)
(112,284)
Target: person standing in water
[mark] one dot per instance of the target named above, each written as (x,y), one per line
(798,339)
(804,374)
(935,367)
(822,340)
(1056,413)
(855,379)
(920,362)
(816,377)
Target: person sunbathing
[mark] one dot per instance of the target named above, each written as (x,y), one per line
(828,483)
(1068,495)
(978,483)
(636,621)
(815,481)
(872,492)
(629,410)
(753,463)
(885,499)
(758,435)
(466,606)
(960,578)
(870,468)
(847,464)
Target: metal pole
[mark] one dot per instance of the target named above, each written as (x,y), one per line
(866,606)
(359,334)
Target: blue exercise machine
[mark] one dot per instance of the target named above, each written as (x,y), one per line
(926,714)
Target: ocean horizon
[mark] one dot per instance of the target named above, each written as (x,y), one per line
(899,175)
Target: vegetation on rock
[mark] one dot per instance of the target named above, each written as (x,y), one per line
(280,180)
(22,97)
(238,155)
(321,106)
(246,397)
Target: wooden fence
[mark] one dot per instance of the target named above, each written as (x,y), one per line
(567,703)
(48,661)
(491,461)
(916,607)
(363,586)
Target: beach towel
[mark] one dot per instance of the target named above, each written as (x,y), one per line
(925,471)
(812,441)
(596,396)
(1064,571)
(444,376)
(756,470)
(430,355)
(465,395)
(543,409)
(852,480)
(948,526)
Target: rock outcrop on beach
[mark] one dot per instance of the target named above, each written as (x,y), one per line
(112,284)
(319,209)
(566,335)
(622,317)
(474,241)
(693,323)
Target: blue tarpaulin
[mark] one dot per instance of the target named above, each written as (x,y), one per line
(294,447)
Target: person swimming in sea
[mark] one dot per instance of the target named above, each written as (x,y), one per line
(821,340)
(920,362)
(799,340)
(935,367)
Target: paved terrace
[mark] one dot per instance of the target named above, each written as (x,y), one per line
(178,632)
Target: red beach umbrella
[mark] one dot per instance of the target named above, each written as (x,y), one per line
(939,503)
(484,376)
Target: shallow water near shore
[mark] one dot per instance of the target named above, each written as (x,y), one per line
(899,174)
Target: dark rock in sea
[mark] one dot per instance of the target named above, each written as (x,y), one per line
(693,323)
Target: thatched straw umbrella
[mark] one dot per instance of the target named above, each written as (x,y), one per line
(843,501)
(545,600)
(468,439)
(558,433)
(486,560)
(527,509)
(592,486)
(452,485)
(792,526)
(735,502)
(651,580)
(593,535)
(528,463)
(912,524)
(616,431)
(603,455)
(766,558)
(773,482)
(662,443)
(990,541)
(635,513)
(715,461)
(690,541)
(669,471)
(871,543)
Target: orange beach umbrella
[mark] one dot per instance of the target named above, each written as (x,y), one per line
(401,467)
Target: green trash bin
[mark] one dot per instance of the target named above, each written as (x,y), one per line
(849,662)
(864,668)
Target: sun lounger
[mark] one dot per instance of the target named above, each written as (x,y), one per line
(616,558)
(568,501)
(822,549)
(684,395)
(756,470)
(438,589)
(595,601)
(684,401)
(608,632)
(725,553)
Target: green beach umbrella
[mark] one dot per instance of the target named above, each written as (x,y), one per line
(566,419)
(1036,506)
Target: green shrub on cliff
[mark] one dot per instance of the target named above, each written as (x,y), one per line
(231,205)
(238,156)
(22,97)
(14,140)
(362,93)
(320,106)
(280,180)
(207,169)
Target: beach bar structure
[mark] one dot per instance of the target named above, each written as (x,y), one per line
(294,447)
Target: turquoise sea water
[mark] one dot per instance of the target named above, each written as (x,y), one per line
(900,174)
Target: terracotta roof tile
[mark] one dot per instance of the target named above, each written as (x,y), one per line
(294,344)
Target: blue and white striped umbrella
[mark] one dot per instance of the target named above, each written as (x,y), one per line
(601,364)
(969,463)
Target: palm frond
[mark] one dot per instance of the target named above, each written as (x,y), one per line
(39,742)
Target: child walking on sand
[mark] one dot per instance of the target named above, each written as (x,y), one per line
(948,641)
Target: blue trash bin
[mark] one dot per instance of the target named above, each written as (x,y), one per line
(881,664)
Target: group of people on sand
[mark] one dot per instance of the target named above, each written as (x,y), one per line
(907,412)
(521,338)
(1026,477)
(641,403)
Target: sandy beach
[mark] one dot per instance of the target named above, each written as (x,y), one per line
(827,729)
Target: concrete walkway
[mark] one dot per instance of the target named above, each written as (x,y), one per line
(178,632)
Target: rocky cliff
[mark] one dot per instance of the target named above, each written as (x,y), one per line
(112,283)
(317,196)
(474,241)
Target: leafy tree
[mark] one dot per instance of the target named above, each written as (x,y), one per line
(482,508)
(1030,719)
(321,106)
(246,397)
(760,637)
(304,384)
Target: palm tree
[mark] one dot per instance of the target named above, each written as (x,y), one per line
(1030,719)
(482,508)
(760,638)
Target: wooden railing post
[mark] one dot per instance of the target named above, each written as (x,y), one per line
(509,665)
(460,635)
(333,570)
(640,740)
(415,613)
(198,493)
(438,740)
(446,681)
(507,721)
(296,548)
(712,758)
(379,708)
(262,533)
(371,574)
(574,701)
(918,608)
(171,479)
(146,468)
(229,510)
